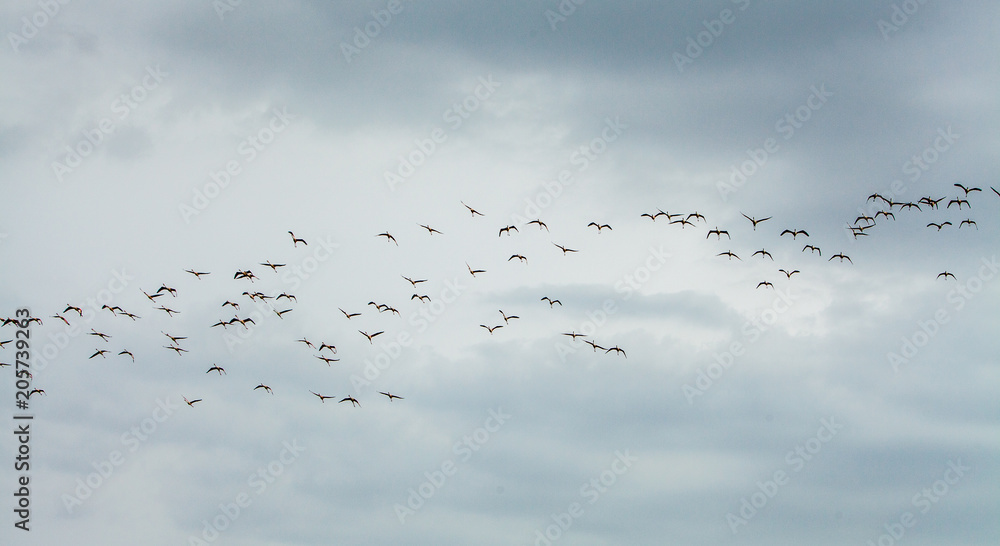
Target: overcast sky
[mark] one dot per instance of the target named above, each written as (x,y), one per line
(851,400)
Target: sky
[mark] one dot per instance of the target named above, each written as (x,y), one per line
(722,382)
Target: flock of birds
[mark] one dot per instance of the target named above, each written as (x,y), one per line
(887,209)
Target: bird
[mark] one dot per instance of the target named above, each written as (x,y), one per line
(170,312)
(507,230)
(62,318)
(718,233)
(296,240)
(430,230)
(112,309)
(865,217)
(683,222)
(287,297)
(390,396)
(472,211)
(33,319)
(967,190)
(216,368)
(958,202)
(794,233)
(541,224)
(351,399)
(265,387)
(789,273)
(191,402)
(618,350)
(370,336)
(197,274)
(414,282)
(474,271)
(2,343)
(490,329)
(274,267)
(648,215)
(282,312)
(72,308)
(564,249)
(176,349)
(151,298)
(519,257)
(885,213)
(101,352)
(875,196)
(420,297)
(696,216)
(165,288)
(755,221)
(131,316)
(322,398)
(931,202)
(573,335)
(765,283)
(93,333)
(333,348)
(594,345)
(247,274)
(946,274)
(36,391)
(551,301)
(995,191)
(599,226)
(129,353)
(812,249)
(327,359)
(348,315)
(841,256)
(173,339)
(763,253)
(506,317)
(968,221)
(307,342)
(730,254)
(222,323)
(388,237)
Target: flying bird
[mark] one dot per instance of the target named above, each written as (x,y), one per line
(490,329)
(763,253)
(129,353)
(176,349)
(94,332)
(541,224)
(967,190)
(564,249)
(348,315)
(696,216)
(170,312)
(173,339)
(618,350)
(171,291)
(599,226)
(683,222)
(969,222)
(62,318)
(197,274)
(519,257)
(474,271)
(322,398)
(946,274)
(72,308)
(36,391)
(274,267)
(730,254)
(370,336)
(351,399)
(551,301)
(101,352)
(191,402)
(414,282)
(789,273)
(151,298)
(388,237)
(430,230)
(594,345)
(573,335)
(718,233)
(841,256)
(765,284)
(420,297)
(296,240)
(307,342)
(282,312)
(507,317)
(958,202)
(794,233)
(265,387)
(391,396)
(507,230)
(755,221)
(287,297)
(327,359)
(812,249)
(472,211)
(216,368)
(333,348)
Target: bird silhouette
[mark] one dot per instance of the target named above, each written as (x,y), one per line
(388,237)
(197,274)
(718,233)
(755,221)
(420,297)
(794,233)
(683,222)
(307,342)
(101,352)
(472,211)
(967,190)
(519,257)
(551,301)
(322,398)
(391,396)
(216,368)
(696,216)
(599,226)
(351,399)
(430,230)
(93,332)
(174,339)
(265,387)
(282,312)
(969,222)
(176,349)
(618,350)
(349,315)
(541,224)
(370,336)
(191,402)
(170,312)
(129,353)
(274,267)
(841,256)
(491,328)
(326,359)
(296,240)
(333,348)
(413,282)
(506,317)
(507,230)
(958,202)
(474,271)
(789,273)
(594,345)
(730,254)
(564,249)
(72,308)
(763,253)
(812,249)
(945,274)
(765,284)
